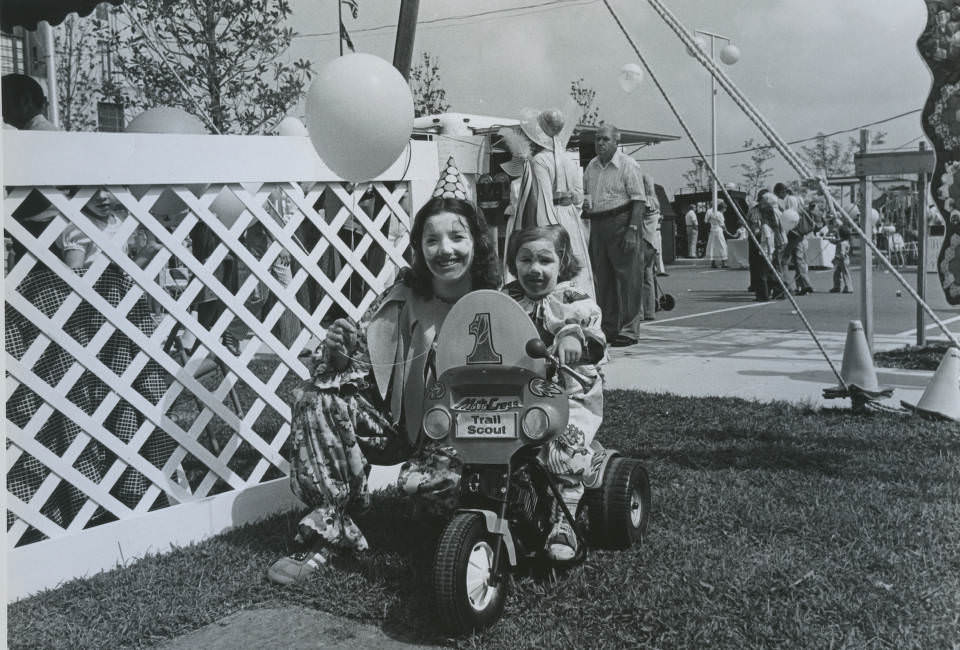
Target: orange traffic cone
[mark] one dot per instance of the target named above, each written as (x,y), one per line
(857,370)
(942,395)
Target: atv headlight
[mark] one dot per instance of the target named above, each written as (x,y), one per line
(436,423)
(536,423)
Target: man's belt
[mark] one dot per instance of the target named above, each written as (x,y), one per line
(626,208)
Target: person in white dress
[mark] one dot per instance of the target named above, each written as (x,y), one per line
(551,184)
(716,244)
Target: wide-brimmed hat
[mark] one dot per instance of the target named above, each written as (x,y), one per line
(537,124)
(513,167)
(551,127)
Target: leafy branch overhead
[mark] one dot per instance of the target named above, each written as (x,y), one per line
(221,60)
(756,172)
(585,96)
(429,96)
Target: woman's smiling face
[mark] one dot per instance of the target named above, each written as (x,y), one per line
(447,246)
(537,267)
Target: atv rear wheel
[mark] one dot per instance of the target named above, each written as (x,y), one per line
(619,509)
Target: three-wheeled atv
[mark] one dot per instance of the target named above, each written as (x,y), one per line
(497,400)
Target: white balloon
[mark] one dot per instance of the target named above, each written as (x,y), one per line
(730,54)
(630,77)
(165,119)
(788,219)
(291,126)
(359,115)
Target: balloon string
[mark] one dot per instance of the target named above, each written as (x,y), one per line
(371,364)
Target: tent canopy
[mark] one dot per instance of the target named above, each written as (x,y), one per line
(27,13)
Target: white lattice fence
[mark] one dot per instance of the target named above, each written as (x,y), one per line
(157,374)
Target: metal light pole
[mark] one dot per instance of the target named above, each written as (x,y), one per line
(729,54)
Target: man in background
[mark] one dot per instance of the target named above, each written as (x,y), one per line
(615,203)
(693,230)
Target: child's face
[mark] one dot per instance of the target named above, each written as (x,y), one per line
(538,267)
(447,246)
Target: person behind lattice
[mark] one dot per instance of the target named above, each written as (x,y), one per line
(47,291)
(551,184)
(568,320)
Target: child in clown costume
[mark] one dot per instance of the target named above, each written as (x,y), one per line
(568,321)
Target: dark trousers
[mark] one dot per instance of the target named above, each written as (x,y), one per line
(617,274)
(758,272)
(648,298)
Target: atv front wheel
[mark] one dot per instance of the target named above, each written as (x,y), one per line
(469,595)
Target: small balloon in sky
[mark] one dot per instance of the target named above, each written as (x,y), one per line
(359,115)
(730,54)
(630,77)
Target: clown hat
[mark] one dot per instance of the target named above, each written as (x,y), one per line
(452,184)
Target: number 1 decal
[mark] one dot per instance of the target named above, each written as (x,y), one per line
(483,351)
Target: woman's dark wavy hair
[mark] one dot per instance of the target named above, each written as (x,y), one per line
(485,270)
(570,265)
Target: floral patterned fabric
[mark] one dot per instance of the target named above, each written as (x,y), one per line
(343,422)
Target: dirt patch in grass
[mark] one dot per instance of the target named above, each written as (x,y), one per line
(772,526)
(913,357)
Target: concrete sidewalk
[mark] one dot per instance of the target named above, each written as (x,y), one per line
(753,364)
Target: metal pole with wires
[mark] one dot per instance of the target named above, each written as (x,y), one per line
(730,54)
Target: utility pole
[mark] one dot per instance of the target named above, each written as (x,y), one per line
(406,32)
(921,250)
(866,268)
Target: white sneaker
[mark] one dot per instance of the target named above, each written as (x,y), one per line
(562,542)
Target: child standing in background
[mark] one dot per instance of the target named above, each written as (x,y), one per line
(841,262)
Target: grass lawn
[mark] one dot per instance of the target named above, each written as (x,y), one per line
(913,357)
(772,526)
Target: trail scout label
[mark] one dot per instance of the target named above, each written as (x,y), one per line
(492,403)
(487,425)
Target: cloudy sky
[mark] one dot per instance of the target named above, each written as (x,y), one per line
(808,65)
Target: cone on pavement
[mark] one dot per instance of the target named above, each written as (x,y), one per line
(857,370)
(942,395)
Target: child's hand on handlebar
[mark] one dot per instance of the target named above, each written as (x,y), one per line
(569,350)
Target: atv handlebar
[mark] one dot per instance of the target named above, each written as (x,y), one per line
(536,349)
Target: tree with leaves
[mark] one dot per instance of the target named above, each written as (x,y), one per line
(833,157)
(218,59)
(755,173)
(697,178)
(429,96)
(585,96)
(82,81)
